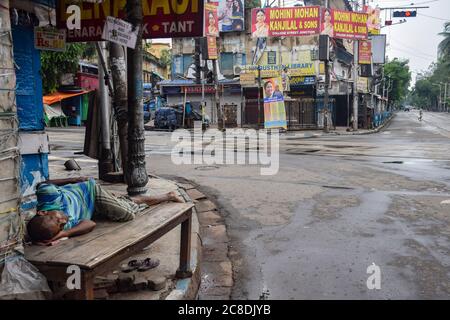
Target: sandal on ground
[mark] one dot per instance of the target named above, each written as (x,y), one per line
(132,265)
(148,264)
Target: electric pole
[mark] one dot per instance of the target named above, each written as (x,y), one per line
(105,164)
(326,93)
(355,78)
(118,65)
(445,97)
(138,177)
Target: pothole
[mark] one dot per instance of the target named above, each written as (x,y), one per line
(205,168)
(300,151)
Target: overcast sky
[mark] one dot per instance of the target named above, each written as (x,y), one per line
(417,39)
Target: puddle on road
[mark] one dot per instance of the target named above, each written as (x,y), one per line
(206,168)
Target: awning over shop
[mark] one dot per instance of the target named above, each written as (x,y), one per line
(158,75)
(59,96)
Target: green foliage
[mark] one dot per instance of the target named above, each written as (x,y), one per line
(250,4)
(55,64)
(426,90)
(166,58)
(400,76)
(444,45)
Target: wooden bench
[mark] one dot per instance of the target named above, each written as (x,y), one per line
(111,242)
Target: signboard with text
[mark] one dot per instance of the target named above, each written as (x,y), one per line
(161,18)
(344,24)
(272,71)
(303,81)
(285,22)
(49,39)
(120,32)
(198,89)
(364,52)
(363,84)
(212,48)
(247,79)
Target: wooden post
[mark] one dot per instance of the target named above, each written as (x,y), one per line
(184,270)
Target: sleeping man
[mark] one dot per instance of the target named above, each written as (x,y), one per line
(66,208)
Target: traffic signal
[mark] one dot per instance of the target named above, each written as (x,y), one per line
(196,57)
(324,48)
(210,77)
(404,14)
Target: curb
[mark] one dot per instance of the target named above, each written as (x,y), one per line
(215,281)
(376,130)
(335,133)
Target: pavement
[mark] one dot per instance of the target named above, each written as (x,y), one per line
(337,204)
(156,284)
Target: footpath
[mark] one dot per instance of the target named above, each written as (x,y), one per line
(208,235)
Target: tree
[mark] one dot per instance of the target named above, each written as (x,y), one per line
(55,64)
(166,58)
(444,45)
(397,72)
(426,89)
(425,93)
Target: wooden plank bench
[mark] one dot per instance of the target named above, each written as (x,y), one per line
(111,242)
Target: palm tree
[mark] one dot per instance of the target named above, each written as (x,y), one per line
(444,46)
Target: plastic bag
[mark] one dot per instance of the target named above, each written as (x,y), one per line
(22,281)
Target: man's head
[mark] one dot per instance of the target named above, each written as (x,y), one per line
(46,224)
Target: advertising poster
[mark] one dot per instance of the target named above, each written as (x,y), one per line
(161,18)
(274,110)
(285,22)
(373,19)
(49,39)
(212,48)
(231,15)
(344,24)
(211,20)
(364,52)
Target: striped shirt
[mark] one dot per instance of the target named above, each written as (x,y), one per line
(76,200)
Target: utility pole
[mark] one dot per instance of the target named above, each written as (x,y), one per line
(138,177)
(440,97)
(326,93)
(197,61)
(445,97)
(216,96)
(118,65)
(387,93)
(355,78)
(259,95)
(105,164)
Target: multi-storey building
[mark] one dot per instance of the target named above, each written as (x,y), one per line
(240,53)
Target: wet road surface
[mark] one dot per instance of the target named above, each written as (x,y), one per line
(337,205)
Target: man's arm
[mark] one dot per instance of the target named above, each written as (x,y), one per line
(85,226)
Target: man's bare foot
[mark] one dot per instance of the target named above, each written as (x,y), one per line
(173,196)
